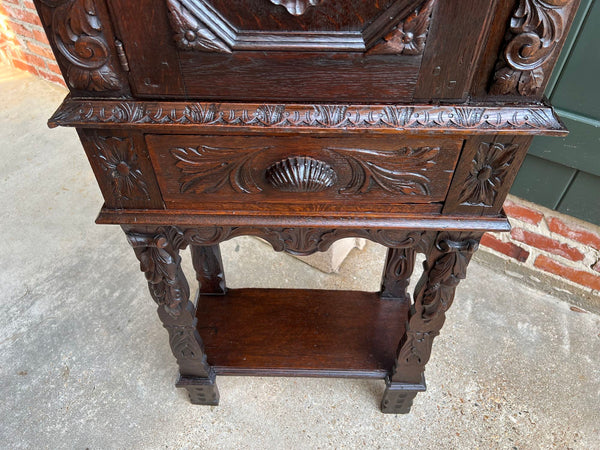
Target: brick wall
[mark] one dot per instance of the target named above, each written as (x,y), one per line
(23,43)
(561,246)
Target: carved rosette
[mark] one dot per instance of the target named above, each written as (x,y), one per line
(537,29)
(445,267)
(409,36)
(206,169)
(296,7)
(488,171)
(83,48)
(190,33)
(119,160)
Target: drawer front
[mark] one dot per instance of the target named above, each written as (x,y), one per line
(324,173)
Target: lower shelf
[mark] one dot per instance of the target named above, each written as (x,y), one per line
(278,332)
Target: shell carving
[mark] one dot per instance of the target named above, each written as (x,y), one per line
(301,174)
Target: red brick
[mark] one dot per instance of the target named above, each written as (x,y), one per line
(19,29)
(547,244)
(24,66)
(40,50)
(41,37)
(51,76)
(34,60)
(574,232)
(523,213)
(25,15)
(53,67)
(506,248)
(587,279)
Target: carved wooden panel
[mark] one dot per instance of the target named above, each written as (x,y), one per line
(122,168)
(537,31)
(81,36)
(486,171)
(394,27)
(259,170)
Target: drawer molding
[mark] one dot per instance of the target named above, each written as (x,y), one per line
(471,119)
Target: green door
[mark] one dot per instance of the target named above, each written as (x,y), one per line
(564,174)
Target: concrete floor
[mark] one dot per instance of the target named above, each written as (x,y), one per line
(85,363)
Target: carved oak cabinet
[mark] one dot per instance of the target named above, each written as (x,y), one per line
(303,122)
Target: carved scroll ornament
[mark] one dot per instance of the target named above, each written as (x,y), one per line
(84,51)
(537,28)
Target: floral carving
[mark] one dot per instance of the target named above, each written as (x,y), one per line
(296,7)
(74,112)
(207,169)
(409,36)
(307,240)
(399,171)
(191,33)
(79,37)
(490,165)
(160,261)
(120,162)
(537,28)
(399,266)
(443,271)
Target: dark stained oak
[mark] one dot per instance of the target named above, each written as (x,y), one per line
(310,332)
(302,122)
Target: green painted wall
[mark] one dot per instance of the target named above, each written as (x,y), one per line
(564,173)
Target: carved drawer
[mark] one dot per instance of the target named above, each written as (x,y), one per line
(312,173)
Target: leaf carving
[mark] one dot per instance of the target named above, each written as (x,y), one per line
(399,171)
(207,169)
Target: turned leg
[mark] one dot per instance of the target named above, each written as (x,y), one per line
(209,269)
(445,266)
(399,266)
(157,249)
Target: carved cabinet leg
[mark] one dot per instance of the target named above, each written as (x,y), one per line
(399,266)
(445,266)
(209,269)
(157,249)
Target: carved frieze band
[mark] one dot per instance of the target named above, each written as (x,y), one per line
(489,167)
(85,54)
(537,28)
(306,241)
(191,33)
(471,119)
(409,36)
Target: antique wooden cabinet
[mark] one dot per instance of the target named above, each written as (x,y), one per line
(303,122)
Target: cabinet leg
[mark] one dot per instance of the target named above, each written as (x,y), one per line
(157,249)
(399,266)
(446,265)
(209,269)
